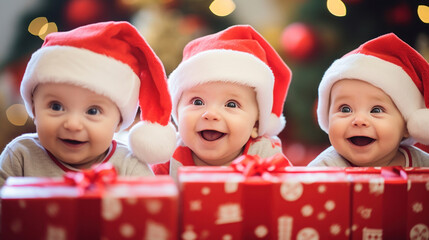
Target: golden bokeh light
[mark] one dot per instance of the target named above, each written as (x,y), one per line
(222,8)
(41,27)
(336,8)
(423,12)
(17,115)
(36,25)
(48,28)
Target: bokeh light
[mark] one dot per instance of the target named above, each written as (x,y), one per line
(222,8)
(41,27)
(336,8)
(423,12)
(17,115)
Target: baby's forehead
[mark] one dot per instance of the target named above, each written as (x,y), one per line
(219,83)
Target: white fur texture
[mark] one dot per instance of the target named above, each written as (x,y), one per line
(418,126)
(152,143)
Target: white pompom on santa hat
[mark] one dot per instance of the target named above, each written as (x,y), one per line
(114,60)
(238,54)
(392,65)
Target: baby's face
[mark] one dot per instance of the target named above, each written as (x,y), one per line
(365,126)
(216,119)
(75,124)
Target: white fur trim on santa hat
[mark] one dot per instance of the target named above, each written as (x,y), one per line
(417,126)
(275,124)
(152,143)
(229,66)
(96,72)
(389,77)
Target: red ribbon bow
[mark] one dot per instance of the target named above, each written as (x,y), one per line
(254,165)
(96,176)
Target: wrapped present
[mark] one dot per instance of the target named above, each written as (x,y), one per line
(379,199)
(93,204)
(418,203)
(258,198)
(311,203)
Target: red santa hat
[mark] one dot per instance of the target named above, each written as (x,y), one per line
(238,54)
(393,66)
(111,59)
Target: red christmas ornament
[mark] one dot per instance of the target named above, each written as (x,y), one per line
(399,15)
(82,12)
(299,41)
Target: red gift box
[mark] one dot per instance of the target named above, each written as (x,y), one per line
(55,208)
(311,203)
(418,203)
(226,203)
(379,198)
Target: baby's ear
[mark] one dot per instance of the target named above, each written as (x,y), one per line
(119,125)
(254,133)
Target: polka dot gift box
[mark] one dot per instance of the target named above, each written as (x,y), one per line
(379,199)
(417,203)
(89,206)
(228,203)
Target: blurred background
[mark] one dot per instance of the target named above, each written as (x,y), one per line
(308,34)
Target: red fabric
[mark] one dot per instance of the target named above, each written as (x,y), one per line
(183,154)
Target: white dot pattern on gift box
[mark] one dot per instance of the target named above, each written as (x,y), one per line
(155,230)
(358,187)
(22,203)
(419,231)
(376,186)
(307,210)
(195,205)
(205,191)
(261,231)
(52,209)
(231,186)
(189,234)
(321,215)
(111,208)
(131,201)
(55,233)
(417,207)
(330,205)
(291,190)
(127,230)
(154,206)
(227,237)
(16,226)
(364,212)
(335,229)
(307,234)
(321,188)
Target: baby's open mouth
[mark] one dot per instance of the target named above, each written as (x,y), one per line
(211,135)
(73,142)
(361,140)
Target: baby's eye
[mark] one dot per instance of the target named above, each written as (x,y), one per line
(56,106)
(93,111)
(197,101)
(377,110)
(231,104)
(345,109)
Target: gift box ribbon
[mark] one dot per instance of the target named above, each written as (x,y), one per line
(254,165)
(97,176)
